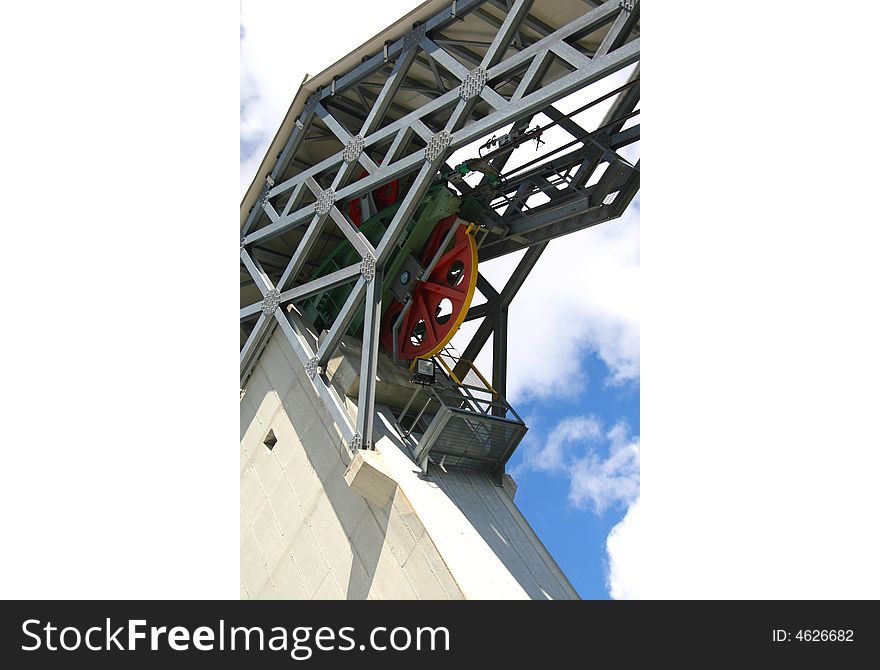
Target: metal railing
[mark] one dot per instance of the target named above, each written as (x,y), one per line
(462,418)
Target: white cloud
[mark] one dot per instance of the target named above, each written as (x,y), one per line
(582,296)
(602,467)
(602,482)
(552,457)
(624,563)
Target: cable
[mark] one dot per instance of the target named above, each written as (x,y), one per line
(536,132)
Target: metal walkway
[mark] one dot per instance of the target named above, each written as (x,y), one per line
(462,422)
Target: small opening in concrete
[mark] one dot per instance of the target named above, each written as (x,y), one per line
(270,440)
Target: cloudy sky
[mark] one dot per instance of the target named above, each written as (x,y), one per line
(574,327)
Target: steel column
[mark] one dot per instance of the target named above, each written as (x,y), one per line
(499,356)
(369,361)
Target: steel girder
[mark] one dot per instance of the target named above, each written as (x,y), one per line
(383,150)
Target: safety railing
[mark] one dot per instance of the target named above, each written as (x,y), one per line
(461,419)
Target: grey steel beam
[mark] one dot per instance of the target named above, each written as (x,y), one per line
(302,250)
(247,313)
(442,56)
(344,136)
(383,176)
(281,226)
(389,89)
(495,314)
(301,127)
(408,84)
(621,28)
(400,141)
(459,51)
(328,395)
(562,220)
(518,200)
(499,357)
(443,19)
(343,321)
(325,283)
(270,211)
(475,346)
(625,137)
(269,258)
(506,32)
(438,78)
(533,75)
(570,55)
(591,160)
(486,288)
(294,199)
(253,345)
(547,214)
(570,126)
(421,130)
(352,234)
(588,22)
(518,277)
(290,148)
(478,311)
(369,360)
(531,103)
(261,278)
(624,103)
(529,21)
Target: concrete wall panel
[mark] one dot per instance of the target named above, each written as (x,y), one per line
(306,534)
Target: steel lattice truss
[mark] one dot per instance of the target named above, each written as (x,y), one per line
(399,115)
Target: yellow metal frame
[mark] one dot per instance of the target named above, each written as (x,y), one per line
(476,371)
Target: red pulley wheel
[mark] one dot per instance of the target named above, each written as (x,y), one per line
(440,301)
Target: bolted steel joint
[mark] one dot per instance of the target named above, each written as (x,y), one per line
(368,268)
(310,105)
(438,144)
(356,442)
(413,37)
(312,367)
(473,83)
(271,302)
(325,201)
(264,196)
(241,243)
(353,149)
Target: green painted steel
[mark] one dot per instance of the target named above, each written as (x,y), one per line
(322,309)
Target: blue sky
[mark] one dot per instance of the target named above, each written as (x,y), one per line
(574,533)
(573,347)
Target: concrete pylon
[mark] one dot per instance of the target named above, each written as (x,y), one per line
(320,522)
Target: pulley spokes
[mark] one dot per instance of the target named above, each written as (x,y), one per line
(440,301)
